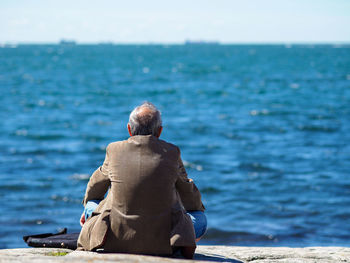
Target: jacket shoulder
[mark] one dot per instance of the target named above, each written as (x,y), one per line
(114,145)
(169,146)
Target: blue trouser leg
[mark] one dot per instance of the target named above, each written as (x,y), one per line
(199,221)
(198,218)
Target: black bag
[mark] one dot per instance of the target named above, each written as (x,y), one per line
(58,240)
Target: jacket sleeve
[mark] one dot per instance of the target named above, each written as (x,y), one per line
(188,191)
(99,183)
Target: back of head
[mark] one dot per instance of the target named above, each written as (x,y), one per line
(145,120)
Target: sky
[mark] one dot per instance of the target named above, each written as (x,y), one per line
(162,21)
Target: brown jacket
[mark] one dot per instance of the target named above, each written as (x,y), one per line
(145,209)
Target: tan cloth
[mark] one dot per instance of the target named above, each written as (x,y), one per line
(145,209)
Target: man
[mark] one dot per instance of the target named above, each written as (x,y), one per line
(149,193)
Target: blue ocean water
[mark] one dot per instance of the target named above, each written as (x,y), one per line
(264,132)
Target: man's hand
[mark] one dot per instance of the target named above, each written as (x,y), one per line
(82,219)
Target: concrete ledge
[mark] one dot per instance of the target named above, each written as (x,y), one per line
(203,254)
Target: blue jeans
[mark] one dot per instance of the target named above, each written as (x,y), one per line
(199,220)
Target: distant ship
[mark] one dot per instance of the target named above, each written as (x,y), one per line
(64,42)
(107,43)
(201,42)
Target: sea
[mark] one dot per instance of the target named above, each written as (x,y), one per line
(264,131)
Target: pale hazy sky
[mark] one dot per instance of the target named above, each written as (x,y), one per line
(162,21)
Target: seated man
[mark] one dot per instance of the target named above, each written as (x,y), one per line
(152,206)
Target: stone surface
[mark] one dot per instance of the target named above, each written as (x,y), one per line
(203,254)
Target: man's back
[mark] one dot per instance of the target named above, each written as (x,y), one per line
(136,216)
(143,171)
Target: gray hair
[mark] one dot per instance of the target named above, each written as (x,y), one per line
(145,122)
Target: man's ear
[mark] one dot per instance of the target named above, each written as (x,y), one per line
(160,131)
(129,129)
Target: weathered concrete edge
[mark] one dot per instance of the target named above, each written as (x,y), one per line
(203,253)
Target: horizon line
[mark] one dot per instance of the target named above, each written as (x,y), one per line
(186,42)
